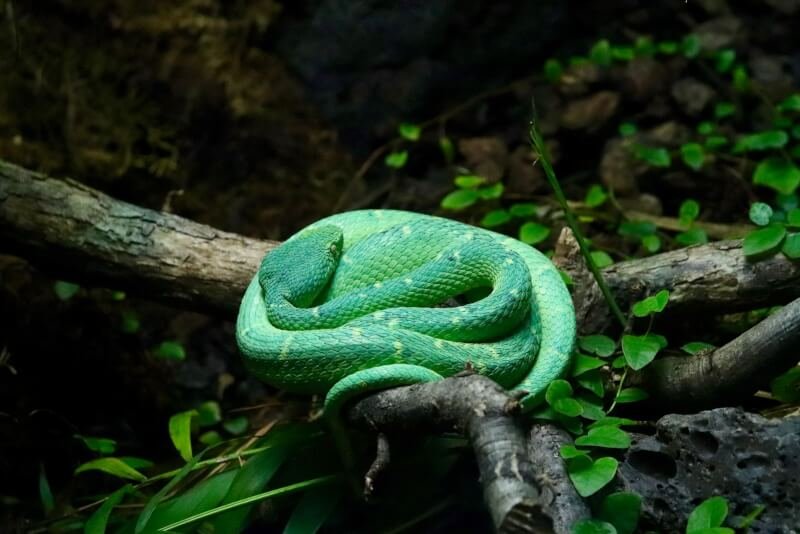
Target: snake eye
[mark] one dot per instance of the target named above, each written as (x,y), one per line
(334,249)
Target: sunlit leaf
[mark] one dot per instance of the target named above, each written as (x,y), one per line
(112,466)
(180,432)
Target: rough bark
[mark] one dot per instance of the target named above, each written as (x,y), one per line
(519,498)
(77,232)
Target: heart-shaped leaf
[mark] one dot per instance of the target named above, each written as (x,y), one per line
(639,350)
(590,476)
(608,436)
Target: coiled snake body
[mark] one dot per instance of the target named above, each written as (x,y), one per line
(348,305)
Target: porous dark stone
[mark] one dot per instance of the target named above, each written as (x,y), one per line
(746,458)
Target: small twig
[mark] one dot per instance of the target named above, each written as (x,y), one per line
(379,464)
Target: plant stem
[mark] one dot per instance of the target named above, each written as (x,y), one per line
(541,149)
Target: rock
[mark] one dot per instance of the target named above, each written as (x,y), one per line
(591,112)
(718,33)
(619,167)
(643,77)
(746,458)
(691,95)
(355,56)
(577,79)
(644,203)
(524,178)
(787,7)
(486,156)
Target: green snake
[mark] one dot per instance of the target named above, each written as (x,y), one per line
(354,302)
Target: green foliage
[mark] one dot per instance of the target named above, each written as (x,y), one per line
(764,241)
(396,160)
(410,132)
(691,46)
(761,141)
(724,109)
(559,397)
(710,514)
(98,522)
(639,350)
(65,290)
(597,344)
(629,395)
(626,129)
(553,70)
(533,233)
(622,510)
(595,196)
(170,350)
(688,212)
(786,387)
(460,199)
(777,173)
(447,148)
(693,155)
(99,445)
(593,526)
(45,493)
(724,60)
(601,53)
(651,305)
(696,346)
(760,213)
(607,436)
(590,476)
(209,413)
(112,466)
(654,156)
(180,432)
(313,510)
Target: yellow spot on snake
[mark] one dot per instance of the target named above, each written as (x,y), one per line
(377,285)
(315,311)
(285,347)
(438,343)
(362,295)
(408,281)
(455,320)
(347,260)
(398,348)
(514,292)
(378,214)
(469,235)
(393,323)
(380,315)
(493,352)
(406,230)
(357,332)
(509,261)
(462,309)
(457,255)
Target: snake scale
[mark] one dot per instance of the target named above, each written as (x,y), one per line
(354,302)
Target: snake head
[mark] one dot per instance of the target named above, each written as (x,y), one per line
(300,268)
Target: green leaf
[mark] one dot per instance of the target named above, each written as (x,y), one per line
(693,155)
(209,413)
(409,131)
(622,510)
(523,209)
(629,395)
(252,478)
(692,236)
(212,437)
(65,290)
(558,389)
(644,46)
(569,407)
(786,387)
(715,142)
(667,47)
(651,243)
(570,451)
(760,213)
(130,322)
(636,229)
(495,218)
(691,46)
(460,199)
(777,173)
(469,181)
(613,421)
(791,246)
(741,79)
(688,212)
(491,192)
(97,523)
(118,296)
(592,381)
(582,364)
(705,128)
(553,70)
(601,259)
(45,493)
(601,53)
(655,157)
(171,350)
(790,104)
(709,514)
(151,507)
(237,425)
(447,148)
(313,510)
(136,462)
(597,344)
(793,217)
(652,304)
(640,350)
(593,526)
(724,60)
(592,406)
(607,436)
(533,233)
(100,445)
(595,196)
(764,241)
(180,432)
(622,53)
(751,516)
(396,160)
(589,476)
(767,140)
(112,466)
(696,346)
(724,109)
(626,129)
